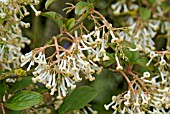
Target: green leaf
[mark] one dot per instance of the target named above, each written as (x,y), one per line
(79,98)
(48,2)
(56,17)
(80,7)
(143,61)
(59,21)
(70,23)
(2,89)
(145,13)
(23,100)
(49,14)
(165,7)
(131,55)
(18,85)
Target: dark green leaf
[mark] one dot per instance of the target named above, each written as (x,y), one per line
(144,13)
(2,89)
(80,7)
(48,2)
(131,55)
(143,61)
(23,100)
(49,14)
(79,98)
(70,23)
(18,85)
(56,17)
(59,21)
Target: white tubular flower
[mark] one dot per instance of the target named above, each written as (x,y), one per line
(59,93)
(2,15)
(31,64)
(163,61)
(113,6)
(97,55)
(119,67)
(125,8)
(77,77)
(70,83)
(98,40)
(102,50)
(108,106)
(137,99)
(127,103)
(37,13)
(146,74)
(23,24)
(49,84)
(53,90)
(36,2)
(157,104)
(127,96)
(152,55)
(114,39)
(117,11)
(105,58)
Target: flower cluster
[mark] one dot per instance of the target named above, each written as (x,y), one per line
(122,7)
(80,58)
(11,39)
(143,31)
(150,96)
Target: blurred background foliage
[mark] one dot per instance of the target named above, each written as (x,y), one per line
(43,29)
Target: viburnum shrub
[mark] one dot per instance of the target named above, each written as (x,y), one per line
(124,44)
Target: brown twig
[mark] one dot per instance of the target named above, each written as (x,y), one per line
(127,79)
(3,109)
(131,73)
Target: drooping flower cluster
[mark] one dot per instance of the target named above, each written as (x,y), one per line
(143,31)
(148,96)
(73,64)
(11,39)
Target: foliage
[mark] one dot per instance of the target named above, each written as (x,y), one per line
(121,48)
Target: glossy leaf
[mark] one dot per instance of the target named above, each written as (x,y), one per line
(56,17)
(131,55)
(144,13)
(59,21)
(18,85)
(48,2)
(23,100)
(143,61)
(70,23)
(49,14)
(80,7)
(79,98)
